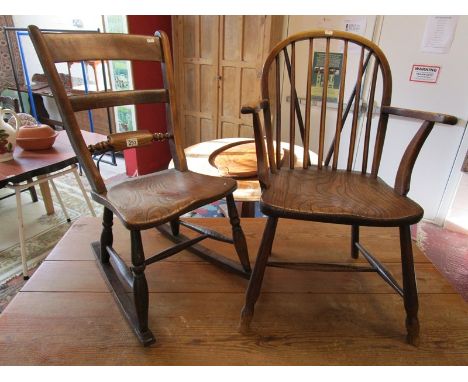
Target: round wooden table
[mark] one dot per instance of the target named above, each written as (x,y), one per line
(248,189)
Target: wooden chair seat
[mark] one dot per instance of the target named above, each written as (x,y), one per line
(337,197)
(154,199)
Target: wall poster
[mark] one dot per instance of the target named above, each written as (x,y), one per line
(439,34)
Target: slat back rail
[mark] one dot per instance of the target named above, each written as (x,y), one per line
(53,48)
(370,61)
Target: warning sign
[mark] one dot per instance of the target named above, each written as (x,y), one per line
(425,73)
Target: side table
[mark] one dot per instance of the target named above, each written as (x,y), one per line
(200,159)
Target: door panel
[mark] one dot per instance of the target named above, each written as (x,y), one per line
(242,47)
(218,63)
(197,66)
(232,37)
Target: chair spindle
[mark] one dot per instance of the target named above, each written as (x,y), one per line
(339,119)
(357,99)
(300,121)
(345,114)
(370,110)
(292,115)
(323,112)
(278,112)
(305,161)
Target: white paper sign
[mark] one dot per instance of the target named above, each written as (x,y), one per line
(439,34)
(355,25)
(425,73)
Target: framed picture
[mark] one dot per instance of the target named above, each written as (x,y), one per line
(334,76)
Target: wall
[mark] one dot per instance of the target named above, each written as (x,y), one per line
(149,117)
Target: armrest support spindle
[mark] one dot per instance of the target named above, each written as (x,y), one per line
(262,167)
(405,169)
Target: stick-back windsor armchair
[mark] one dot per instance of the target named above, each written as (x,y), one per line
(141,202)
(344,186)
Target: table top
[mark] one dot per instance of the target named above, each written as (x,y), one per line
(247,190)
(44,90)
(27,164)
(237,160)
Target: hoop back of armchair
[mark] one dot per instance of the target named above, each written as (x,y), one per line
(330,57)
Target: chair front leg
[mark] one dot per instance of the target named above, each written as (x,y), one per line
(410,292)
(107,237)
(140,285)
(237,234)
(255,283)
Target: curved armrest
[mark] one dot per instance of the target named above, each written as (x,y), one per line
(254,107)
(417,114)
(127,140)
(405,169)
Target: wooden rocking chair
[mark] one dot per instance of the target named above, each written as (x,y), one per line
(142,202)
(334,190)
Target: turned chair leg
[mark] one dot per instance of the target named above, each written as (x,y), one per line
(354,239)
(140,285)
(107,237)
(237,234)
(255,283)
(175,226)
(410,292)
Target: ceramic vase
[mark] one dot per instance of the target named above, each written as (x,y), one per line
(7,136)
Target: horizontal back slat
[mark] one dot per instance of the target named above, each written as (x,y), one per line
(69,47)
(110,99)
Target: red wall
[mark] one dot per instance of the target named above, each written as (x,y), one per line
(148,75)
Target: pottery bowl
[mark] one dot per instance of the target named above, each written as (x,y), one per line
(38,137)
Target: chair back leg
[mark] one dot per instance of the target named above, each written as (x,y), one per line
(237,234)
(59,198)
(354,240)
(107,237)
(83,191)
(32,192)
(255,283)
(410,292)
(175,227)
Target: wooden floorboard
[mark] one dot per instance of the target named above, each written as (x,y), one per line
(65,315)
